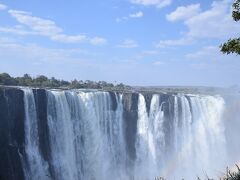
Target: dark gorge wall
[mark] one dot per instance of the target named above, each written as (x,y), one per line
(40,97)
(11,134)
(130,116)
(12,128)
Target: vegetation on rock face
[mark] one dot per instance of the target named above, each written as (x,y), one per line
(228,176)
(43,81)
(233,45)
(233,175)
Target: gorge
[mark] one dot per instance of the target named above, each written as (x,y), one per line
(92,134)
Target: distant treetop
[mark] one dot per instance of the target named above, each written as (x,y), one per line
(45,82)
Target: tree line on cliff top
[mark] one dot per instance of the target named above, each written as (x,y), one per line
(43,81)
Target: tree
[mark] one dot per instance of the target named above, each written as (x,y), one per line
(27,79)
(6,79)
(41,78)
(233,45)
(64,83)
(54,82)
(41,81)
(236,10)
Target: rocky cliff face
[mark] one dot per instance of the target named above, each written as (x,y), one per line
(11,134)
(72,135)
(130,115)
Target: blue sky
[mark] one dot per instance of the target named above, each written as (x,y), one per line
(137,42)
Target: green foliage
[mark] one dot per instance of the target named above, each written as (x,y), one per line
(233,45)
(236,10)
(5,79)
(43,81)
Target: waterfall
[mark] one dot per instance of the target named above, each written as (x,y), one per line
(150,139)
(86,135)
(197,137)
(177,136)
(36,167)
(197,130)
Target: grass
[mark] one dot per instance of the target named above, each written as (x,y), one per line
(229,175)
(232,175)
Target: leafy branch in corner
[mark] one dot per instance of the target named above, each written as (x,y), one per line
(233,45)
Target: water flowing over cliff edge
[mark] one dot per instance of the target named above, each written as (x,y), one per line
(74,134)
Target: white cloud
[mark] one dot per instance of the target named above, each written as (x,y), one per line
(206,52)
(42,26)
(200,65)
(40,54)
(150,52)
(121,19)
(118,20)
(16,30)
(158,63)
(4,40)
(35,59)
(3,7)
(211,57)
(68,39)
(214,23)
(157,3)
(48,28)
(145,53)
(33,52)
(98,41)
(136,15)
(184,12)
(177,42)
(128,43)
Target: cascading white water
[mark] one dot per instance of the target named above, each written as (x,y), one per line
(86,135)
(182,137)
(37,167)
(199,141)
(150,139)
(61,137)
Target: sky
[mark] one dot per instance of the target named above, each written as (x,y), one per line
(136,42)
